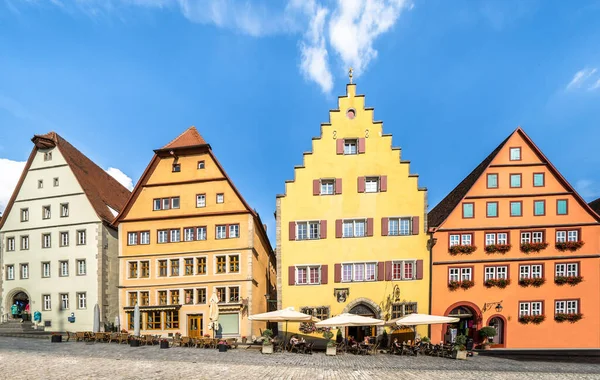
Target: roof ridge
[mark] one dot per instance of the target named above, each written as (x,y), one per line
(189,137)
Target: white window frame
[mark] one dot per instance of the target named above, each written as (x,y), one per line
(162,236)
(517,155)
(228,299)
(10,244)
(200,200)
(234,231)
(466,274)
(350,146)
(46,269)
(24,271)
(327,187)
(537,237)
(197,301)
(175,235)
(221,198)
(403,264)
(46,212)
(221,231)
(145,237)
(189,233)
(132,238)
(372,184)
(355,223)
(81,300)
(81,264)
(64,301)
(404,226)
(10,272)
(64,210)
(64,238)
(454,274)
(46,240)
(201,233)
(312,229)
(307,268)
(572,235)
(25,214)
(81,237)
(46,302)
(363,265)
(61,268)
(525,237)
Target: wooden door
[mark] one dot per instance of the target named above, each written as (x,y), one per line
(194,326)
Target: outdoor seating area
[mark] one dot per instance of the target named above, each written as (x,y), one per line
(422,348)
(149,340)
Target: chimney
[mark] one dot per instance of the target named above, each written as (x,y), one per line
(265,227)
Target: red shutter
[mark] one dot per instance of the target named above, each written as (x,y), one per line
(419,269)
(388,271)
(415,225)
(340,146)
(384,226)
(324,274)
(292,230)
(292,275)
(323,229)
(338,185)
(380,271)
(361,145)
(227,231)
(361,184)
(316,187)
(338,228)
(369,226)
(383,183)
(337,272)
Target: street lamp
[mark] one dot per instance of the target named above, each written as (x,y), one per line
(499,308)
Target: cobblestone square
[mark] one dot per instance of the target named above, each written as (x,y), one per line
(41,359)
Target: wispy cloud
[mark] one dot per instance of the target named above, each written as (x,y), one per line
(581,78)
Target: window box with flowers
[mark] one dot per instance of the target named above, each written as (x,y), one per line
(569,246)
(562,317)
(465,284)
(499,283)
(244,340)
(164,343)
(534,319)
(533,247)
(497,248)
(535,282)
(571,280)
(462,249)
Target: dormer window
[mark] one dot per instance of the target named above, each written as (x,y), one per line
(201,164)
(176,168)
(350,146)
(515,154)
(48,156)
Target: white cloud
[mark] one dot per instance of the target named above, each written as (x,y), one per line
(587,189)
(314,61)
(10,172)
(595,86)
(580,78)
(121,177)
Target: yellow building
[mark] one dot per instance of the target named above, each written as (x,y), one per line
(186,233)
(350,226)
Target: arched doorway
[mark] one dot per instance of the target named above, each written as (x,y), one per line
(359,333)
(468,324)
(21,300)
(499,323)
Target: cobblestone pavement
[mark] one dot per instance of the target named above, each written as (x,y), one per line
(40,359)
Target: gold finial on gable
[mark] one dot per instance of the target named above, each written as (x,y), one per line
(350,71)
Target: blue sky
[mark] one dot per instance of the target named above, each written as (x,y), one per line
(449,79)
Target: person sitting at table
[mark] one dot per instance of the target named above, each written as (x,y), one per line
(396,346)
(366,341)
(294,340)
(351,341)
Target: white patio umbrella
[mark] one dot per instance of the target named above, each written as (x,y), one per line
(348,319)
(286,315)
(213,312)
(421,319)
(136,320)
(117,324)
(96,326)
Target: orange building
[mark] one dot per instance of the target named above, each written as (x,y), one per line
(515,247)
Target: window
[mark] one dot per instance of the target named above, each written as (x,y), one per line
(201,164)
(468,210)
(201,200)
(55,182)
(462,239)
(46,212)
(539,208)
(234,294)
(145,237)
(567,235)
(308,275)
(176,168)
(175,235)
(532,237)
(371,184)
(174,267)
(133,298)
(496,273)
(321,313)
(133,269)
(174,297)
(515,154)
(200,265)
(132,238)
(163,236)
(466,274)
(46,269)
(188,265)
(221,232)
(307,230)
(10,272)
(64,239)
(64,210)
(81,267)
(40,183)
(24,243)
(496,238)
(402,309)
(162,297)
(201,294)
(404,270)
(515,180)
(81,300)
(46,302)
(220,198)
(165,203)
(530,308)
(453,274)
(24,215)
(566,307)
(47,156)
(81,237)
(172,319)
(24,271)
(188,295)
(64,301)
(10,244)
(399,226)
(221,264)
(530,271)
(350,146)
(567,270)
(145,269)
(221,293)
(360,272)
(234,231)
(201,233)
(354,228)
(492,209)
(162,268)
(492,181)
(234,263)
(562,207)
(327,187)
(538,179)
(46,241)
(153,321)
(515,208)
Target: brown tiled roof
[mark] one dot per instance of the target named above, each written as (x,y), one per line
(595,205)
(190,137)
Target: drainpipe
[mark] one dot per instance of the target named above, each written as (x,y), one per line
(430,243)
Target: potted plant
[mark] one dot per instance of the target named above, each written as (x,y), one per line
(462,249)
(267,346)
(164,343)
(425,339)
(486,333)
(56,337)
(222,345)
(571,280)
(453,285)
(244,340)
(533,247)
(331,348)
(460,349)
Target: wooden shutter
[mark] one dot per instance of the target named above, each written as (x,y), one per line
(340,146)
(369,226)
(316,187)
(338,185)
(384,226)
(323,229)
(383,183)
(380,271)
(292,275)
(419,269)
(324,274)
(292,230)
(415,225)
(388,270)
(338,228)
(337,272)
(361,184)
(227,231)
(361,145)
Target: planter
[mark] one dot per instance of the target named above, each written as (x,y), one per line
(569,246)
(244,340)
(462,249)
(56,338)
(223,347)
(267,349)
(134,343)
(459,355)
(571,280)
(331,351)
(497,248)
(533,247)
(164,344)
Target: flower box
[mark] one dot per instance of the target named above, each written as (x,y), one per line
(453,285)
(571,280)
(562,317)
(535,282)
(462,249)
(569,246)
(535,319)
(497,248)
(267,348)
(533,247)
(499,283)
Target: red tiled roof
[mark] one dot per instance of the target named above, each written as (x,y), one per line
(595,205)
(190,137)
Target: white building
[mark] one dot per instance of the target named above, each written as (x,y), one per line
(58,250)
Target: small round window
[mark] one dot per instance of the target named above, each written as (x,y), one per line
(351,114)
